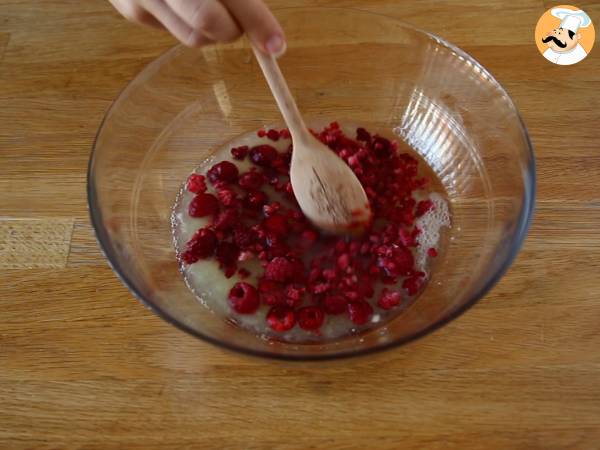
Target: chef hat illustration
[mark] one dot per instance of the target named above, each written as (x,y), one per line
(571,20)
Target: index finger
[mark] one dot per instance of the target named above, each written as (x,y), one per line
(259,23)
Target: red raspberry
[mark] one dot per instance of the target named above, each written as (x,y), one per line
(243,298)
(203,205)
(263,155)
(285,134)
(226,220)
(251,181)
(389,300)
(294,294)
(423,207)
(359,312)
(382,147)
(271,293)
(396,261)
(227,254)
(432,252)
(334,304)
(224,171)
(321,288)
(227,197)
(196,183)
(261,133)
(239,153)
(276,224)
(283,270)
(343,261)
(202,244)
(281,318)
(255,200)
(308,238)
(189,257)
(273,135)
(244,237)
(407,239)
(363,135)
(310,317)
(413,284)
(271,208)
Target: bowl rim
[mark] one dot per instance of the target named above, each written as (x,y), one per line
(523,225)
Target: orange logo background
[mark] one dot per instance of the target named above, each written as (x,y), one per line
(548,22)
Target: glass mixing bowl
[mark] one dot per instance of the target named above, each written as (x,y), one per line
(344,65)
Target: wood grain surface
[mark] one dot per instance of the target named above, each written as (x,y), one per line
(84,365)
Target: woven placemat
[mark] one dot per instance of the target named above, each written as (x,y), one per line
(34,243)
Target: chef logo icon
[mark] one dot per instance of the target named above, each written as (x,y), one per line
(565,35)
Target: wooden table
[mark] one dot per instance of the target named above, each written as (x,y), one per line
(83,365)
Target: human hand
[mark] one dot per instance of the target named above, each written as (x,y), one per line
(200,22)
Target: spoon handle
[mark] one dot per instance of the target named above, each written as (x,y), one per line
(281,92)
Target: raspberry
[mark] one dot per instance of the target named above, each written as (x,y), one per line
(244,237)
(224,171)
(413,283)
(271,293)
(261,133)
(226,220)
(310,317)
(281,318)
(271,208)
(308,238)
(285,134)
(251,181)
(273,135)
(389,300)
(196,183)
(227,197)
(201,245)
(382,147)
(203,205)
(407,239)
(243,298)
(397,261)
(363,135)
(321,288)
(334,304)
(359,312)
(189,257)
(276,224)
(263,155)
(432,252)
(294,294)
(227,254)
(343,261)
(423,207)
(255,200)
(239,153)
(283,270)
(352,296)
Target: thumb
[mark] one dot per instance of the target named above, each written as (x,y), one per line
(259,23)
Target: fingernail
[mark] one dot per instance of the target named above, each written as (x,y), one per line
(275,46)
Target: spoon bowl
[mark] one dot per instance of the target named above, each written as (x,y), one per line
(327,190)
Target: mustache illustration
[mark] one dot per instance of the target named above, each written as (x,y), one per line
(556,41)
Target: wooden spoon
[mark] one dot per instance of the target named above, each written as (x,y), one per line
(327,190)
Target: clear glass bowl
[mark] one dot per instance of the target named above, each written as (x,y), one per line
(342,65)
